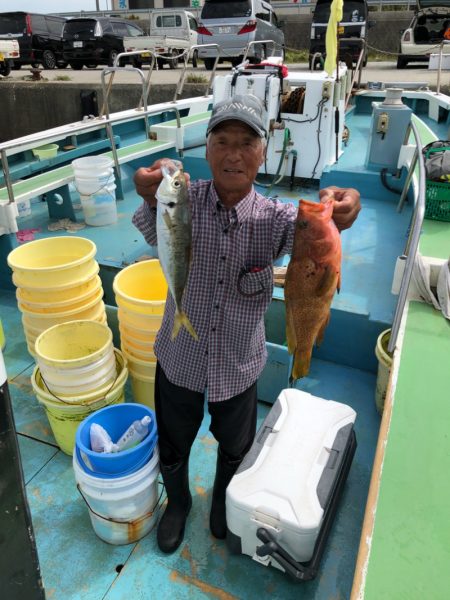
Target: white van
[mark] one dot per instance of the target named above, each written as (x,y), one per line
(425,33)
(232,25)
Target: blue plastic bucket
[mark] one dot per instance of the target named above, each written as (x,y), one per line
(115,422)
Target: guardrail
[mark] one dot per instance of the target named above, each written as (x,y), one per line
(281,8)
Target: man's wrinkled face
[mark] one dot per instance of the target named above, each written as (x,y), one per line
(234,152)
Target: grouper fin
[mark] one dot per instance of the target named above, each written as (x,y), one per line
(300,368)
(329,280)
(181,319)
(321,333)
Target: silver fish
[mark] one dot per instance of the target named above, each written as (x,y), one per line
(173,228)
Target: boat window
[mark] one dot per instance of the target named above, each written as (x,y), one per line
(216,9)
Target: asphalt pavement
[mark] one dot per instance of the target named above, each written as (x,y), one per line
(374,72)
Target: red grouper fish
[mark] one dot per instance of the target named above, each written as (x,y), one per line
(312,277)
(174,230)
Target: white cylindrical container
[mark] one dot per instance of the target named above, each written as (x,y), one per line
(92,166)
(100,208)
(122,510)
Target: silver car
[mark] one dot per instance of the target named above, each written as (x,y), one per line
(232,24)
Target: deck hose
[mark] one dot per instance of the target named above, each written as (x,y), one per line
(277,178)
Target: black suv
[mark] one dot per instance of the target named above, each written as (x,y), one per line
(94,41)
(39,37)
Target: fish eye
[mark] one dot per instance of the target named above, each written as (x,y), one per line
(176,184)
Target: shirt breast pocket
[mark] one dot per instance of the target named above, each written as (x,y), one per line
(255,282)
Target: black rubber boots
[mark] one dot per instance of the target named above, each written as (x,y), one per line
(225,469)
(179,501)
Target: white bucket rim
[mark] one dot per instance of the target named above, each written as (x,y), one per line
(44,397)
(125,480)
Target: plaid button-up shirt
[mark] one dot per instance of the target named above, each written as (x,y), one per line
(228,291)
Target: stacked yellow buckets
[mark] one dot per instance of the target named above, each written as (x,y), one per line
(140,290)
(78,372)
(57,281)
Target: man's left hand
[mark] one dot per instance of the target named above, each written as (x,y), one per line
(346,207)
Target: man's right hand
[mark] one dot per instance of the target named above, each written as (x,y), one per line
(147,180)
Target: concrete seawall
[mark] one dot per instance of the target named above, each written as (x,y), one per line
(29,107)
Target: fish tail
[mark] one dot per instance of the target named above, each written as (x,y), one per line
(181,319)
(302,360)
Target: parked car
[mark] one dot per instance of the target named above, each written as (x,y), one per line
(425,32)
(39,37)
(352,31)
(9,50)
(171,32)
(232,25)
(92,41)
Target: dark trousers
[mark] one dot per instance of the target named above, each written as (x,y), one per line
(179,414)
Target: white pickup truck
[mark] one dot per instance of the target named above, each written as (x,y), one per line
(9,50)
(171,33)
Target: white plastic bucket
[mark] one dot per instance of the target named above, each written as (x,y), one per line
(94,184)
(92,166)
(100,208)
(122,510)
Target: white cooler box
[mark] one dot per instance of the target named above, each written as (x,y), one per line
(281,502)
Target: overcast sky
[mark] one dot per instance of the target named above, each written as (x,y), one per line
(50,6)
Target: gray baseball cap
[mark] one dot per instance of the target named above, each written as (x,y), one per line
(248,109)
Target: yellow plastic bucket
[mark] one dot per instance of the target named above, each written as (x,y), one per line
(2,337)
(138,336)
(136,344)
(54,302)
(74,344)
(82,398)
(56,261)
(44,287)
(144,368)
(141,288)
(94,311)
(384,368)
(133,352)
(143,389)
(65,418)
(144,323)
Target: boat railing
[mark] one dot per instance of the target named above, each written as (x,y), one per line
(258,43)
(187,55)
(143,102)
(410,253)
(357,72)
(105,121)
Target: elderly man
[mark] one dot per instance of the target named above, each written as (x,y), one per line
(236,235)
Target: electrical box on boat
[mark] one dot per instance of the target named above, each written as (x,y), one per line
(390,120)
(265,85)
(304,117)
(281,502)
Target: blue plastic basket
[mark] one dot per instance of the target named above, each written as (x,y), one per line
(115,419)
